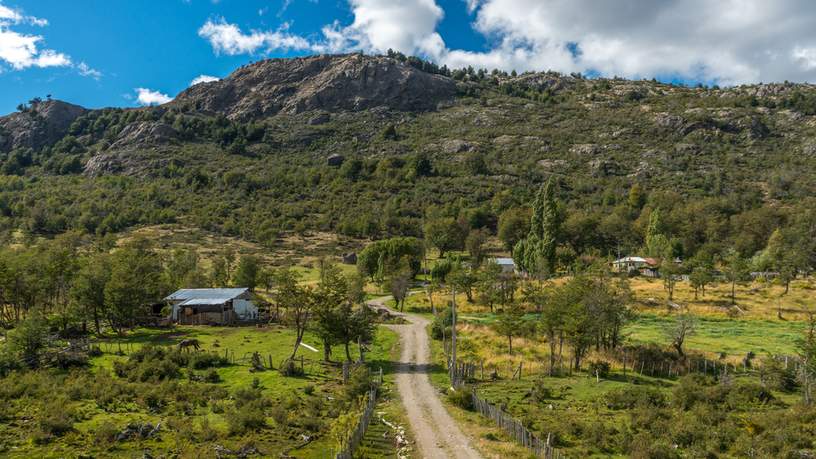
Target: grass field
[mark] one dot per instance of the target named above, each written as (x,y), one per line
(184,425)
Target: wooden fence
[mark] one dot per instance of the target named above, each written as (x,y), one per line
(356,435)
(465,372)
(515,429)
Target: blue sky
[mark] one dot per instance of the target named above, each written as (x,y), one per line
(126,52)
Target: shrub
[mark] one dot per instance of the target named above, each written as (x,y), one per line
(212,376)
(279,414)
(462,397)
(541,393)
(105,433)
(249,417)
(54,419)
(290,368)
(629,397)
(308,389)
(600,368)
(359,383)
(204,360)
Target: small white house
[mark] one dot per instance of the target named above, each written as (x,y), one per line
(199,306)
(645,266)
(506,264)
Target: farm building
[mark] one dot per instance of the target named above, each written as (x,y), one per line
(199,306)
(506,264)
(645,266)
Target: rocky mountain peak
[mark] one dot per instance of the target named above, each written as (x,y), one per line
(326,82)
(38,124)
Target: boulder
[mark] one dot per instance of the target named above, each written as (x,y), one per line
(335,160)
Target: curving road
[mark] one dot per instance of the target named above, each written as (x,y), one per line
(435,431)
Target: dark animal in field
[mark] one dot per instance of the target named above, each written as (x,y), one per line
(189,343)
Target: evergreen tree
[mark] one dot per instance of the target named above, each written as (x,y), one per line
(536,253)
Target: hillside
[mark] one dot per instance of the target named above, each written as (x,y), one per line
(247,156)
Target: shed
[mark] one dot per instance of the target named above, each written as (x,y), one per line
(220,306)
(506,264)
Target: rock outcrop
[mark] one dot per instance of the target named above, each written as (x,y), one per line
(327,83)
(41,124)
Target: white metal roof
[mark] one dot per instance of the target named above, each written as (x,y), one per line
(505,261)
(215,294)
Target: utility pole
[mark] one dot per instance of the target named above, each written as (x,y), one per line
(453,338)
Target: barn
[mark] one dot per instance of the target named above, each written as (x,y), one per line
(212,306)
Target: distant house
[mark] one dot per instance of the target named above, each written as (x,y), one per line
(214,306)
(506,264)
(644,266)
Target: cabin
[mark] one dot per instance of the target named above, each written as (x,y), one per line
(643,266)
(212,306)
(507,265)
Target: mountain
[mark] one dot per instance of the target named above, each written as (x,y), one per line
(41,124)
(330,83)
(249,155)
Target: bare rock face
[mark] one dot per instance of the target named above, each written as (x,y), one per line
(327,83)
(145,133)
(41,124)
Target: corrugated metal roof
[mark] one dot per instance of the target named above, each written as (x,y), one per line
(222,294)
(203,302)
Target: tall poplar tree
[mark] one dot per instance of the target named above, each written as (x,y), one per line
(536,253)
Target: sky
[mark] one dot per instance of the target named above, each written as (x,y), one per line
(127,53)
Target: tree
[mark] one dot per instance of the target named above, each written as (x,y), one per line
(398,284)
(735,270)
(488,284)
(444,233)
(464,279)
(699,278)
(474,244)
(297,302)
(637,198)
(510,323)
(807,352)
(380,259)
(514,224)
(536,253)
(28,339)
(330,296)
(88,289)
(683,327)
(657,244)
(246,274)
(784,254)
(135,283)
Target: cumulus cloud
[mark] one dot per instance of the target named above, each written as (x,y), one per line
(22,50)
(230,40)
(203,79)
(728,41)
(146,96)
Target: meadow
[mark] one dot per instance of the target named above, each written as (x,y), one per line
(198,413)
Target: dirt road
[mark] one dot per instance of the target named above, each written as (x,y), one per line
(435,431)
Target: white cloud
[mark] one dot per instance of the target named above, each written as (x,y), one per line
(728,41)
(87,71)
(146,96)
(203,79)
(21,50)
(230,40)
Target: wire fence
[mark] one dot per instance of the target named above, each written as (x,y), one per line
(356,435)
(463,372)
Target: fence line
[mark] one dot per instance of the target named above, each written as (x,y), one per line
(356,436)
(514,428)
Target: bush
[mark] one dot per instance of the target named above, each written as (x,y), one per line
(204,360)
(212,376)
(105,434)
(629,397)
(55,419)
(600,368)
(462,397)
(249,417)
(290,368)
(442,323)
